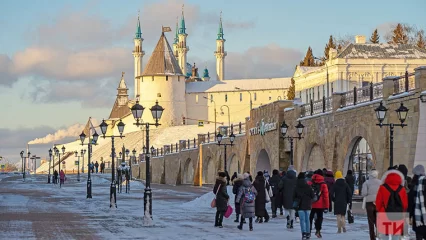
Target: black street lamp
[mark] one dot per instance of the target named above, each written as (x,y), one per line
(59,156)
(284,128)
(89,153)
(78,165)
(50,160)
(23,164)
(219,138)
(104,128)
(130,162)
(82,152)
(134,159)
(157,112)
(402,112)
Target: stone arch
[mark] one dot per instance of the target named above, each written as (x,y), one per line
(313,158)
(351,151)
(188,172)
(209,171)
(263,161)
(234,164)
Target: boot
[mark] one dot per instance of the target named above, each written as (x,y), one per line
(274,215)
(261,220)
(308,235)
(339,230)
(291,224)
(318,234)
(257,220)
(267,219)
(237,218)
(288,224)
(240,226)
(251,224)
(304,236)
(344,229)
(281,212)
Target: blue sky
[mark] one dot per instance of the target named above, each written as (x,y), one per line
(60,61)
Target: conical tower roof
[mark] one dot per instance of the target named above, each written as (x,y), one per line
(162,60)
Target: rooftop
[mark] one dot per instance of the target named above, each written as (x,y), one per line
(382,50)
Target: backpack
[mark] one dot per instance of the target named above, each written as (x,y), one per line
(394,207)
(317,191)
(249,195)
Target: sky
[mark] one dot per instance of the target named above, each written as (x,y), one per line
(61,61)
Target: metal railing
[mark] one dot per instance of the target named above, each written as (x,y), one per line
(404,83)
(316,107)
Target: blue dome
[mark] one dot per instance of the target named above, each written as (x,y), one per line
(206,73)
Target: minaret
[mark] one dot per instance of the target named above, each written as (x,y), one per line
(206,76)
(175,43)
(182,47)
(138,54)
(220,53)
(122,96)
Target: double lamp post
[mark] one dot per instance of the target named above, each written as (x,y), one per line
(94,140)
(284,128)
(24,163)
(219,138)
(56,150)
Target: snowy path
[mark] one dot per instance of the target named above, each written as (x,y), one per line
(34,208)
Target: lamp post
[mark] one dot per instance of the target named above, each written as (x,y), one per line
(229,114)
(104,127)
(284,128)
(23,164)
(134,159)
(50,160)
(215,113)
(82,152)
(251,103)
(78,165)
(94,140)
(402,112)
(59,156)
(157,112)
(130,162)
(326,67)
(219,140)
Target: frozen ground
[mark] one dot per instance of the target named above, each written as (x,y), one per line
(37,210)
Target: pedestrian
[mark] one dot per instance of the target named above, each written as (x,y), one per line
(228,178)
(237,183)
(329,180)
(221,198)
(276,198)
(96,166)
(250,177)
(102,167)
(62,177)
(266,175)
(287,186)
(246,195)
(321,202)
(416,202)
(55,175)
(369,192)
(392,188)
(341,196)
(260,203)
(350,180)
(234,176)
(303,195)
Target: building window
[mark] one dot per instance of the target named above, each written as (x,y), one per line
(300,94)
(196,98)
(226,97)
(255,96)
(319,95)
(211,98)
(167,78)
(313,93)
(241,97)
(306,95)
(332,88)
(158,94)
(152,78)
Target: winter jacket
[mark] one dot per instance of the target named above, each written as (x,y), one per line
(238,182)
(341,196)
(222,195)
(350,180)
(247,209)
(287,186)
(412,198)
(274,181)
(329,180)
(394,179)
(304,193)
(370,188)
(323,201)
(62,175)
(260,202)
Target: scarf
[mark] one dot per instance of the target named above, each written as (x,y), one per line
(419,207)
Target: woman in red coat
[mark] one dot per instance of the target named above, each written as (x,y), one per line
(394,179)
(323,203)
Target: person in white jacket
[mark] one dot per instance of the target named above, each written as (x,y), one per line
(369,192)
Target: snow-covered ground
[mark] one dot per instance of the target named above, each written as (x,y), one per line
(177,214)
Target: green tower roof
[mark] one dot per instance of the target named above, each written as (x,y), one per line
(138,33)
(182,29)
(220,31)
(206,73)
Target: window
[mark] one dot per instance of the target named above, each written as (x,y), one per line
(306,96)
(300,94)
(226,97)
(167,78)
(196,98)
(211,98)
(241,97)
(332,88)
(255,96)
(158,94)
(313,93)
(319,95)
(152,78)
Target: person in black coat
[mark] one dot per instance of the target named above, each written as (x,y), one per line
(237,183)
(287,186)
(221,198)
(234,176)
(303,194)
(276,199)
(260,202)
(341,195)
(250,177)
(419,229)
(350,180)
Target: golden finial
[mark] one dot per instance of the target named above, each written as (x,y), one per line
(183,5)
(122,74)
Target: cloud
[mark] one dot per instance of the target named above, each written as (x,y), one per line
(19,137)
(71,131)
(7,76)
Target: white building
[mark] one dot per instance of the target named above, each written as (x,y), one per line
(356,65)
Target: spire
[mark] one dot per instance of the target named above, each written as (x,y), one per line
(206,73)
(138,28)
(182,29)
(220,32)
(177,30)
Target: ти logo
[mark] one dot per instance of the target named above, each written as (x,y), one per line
(392,223)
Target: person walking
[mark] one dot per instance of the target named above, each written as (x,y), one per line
(287,186)
(246,195)
(391,196)
(221,198)
(416,202)
(276,198)
(96,166)
(341,196)
(237,183)
(102,167)
(369,192)
(260,203)
(321,201)
(266,175)
(350,180)
(329,180)
(62,177)
(303,195)
(234,176)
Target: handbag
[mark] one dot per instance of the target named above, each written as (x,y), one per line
(351,218)
(228,211)
(213,203)
(267,197)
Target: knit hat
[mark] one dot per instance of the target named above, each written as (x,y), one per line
(240,176)
(260,173)
(246,175)
(291,167)
(338,175)
(403,169)
(374,173)
(419,170)
(301,175)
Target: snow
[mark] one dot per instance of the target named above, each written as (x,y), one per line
(243,84)
(288,109)
(401,95)
(359,105)
(314,116)
(177,214)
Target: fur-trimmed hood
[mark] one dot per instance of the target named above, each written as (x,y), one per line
(239,178)
(221,180)
(393,177)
